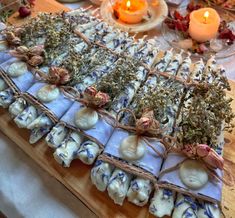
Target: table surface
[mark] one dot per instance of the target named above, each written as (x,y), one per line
(22,182)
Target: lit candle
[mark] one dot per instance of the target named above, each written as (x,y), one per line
(204,24)
(132,11)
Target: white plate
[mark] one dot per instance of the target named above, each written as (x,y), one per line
(158,14)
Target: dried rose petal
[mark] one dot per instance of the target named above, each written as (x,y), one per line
(227,34)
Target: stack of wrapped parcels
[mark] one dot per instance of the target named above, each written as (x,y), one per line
(150,122)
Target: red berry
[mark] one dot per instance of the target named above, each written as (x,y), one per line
(24,11)
(178,16)
(187,17)
(178,25)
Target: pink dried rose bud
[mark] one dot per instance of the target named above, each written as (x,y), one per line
(37,50)
(59,75)
(205,153)
(101,99)
(22,50)
(90,91)
(35,61)
(203,150)
(210,156)
(144,123)
(64,76)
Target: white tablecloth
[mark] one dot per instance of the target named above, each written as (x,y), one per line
(27,191)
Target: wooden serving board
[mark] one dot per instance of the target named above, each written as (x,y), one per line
(77,177)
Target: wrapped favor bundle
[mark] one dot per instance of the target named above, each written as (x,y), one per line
(195,166)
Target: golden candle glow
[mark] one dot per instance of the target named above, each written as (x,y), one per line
(131,11)
(204,24)
(128,4)
(206,15)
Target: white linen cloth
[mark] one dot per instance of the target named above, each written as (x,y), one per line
(27,191)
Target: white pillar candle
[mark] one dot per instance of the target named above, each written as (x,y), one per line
(204,24)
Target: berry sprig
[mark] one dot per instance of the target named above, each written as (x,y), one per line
(226,33)
(178,22)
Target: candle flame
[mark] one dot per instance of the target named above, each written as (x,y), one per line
(128,4)
(206,15)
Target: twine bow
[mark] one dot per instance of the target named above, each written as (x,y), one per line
(147,127)
(209,159)
(58,77)
(33,56)
(94,99)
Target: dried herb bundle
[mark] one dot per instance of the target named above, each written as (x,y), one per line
(52,31)
(116,81)
(202,118)
(160,99)
(73,64)
(81,65)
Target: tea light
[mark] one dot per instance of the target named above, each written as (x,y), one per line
(131,11)
(204,24)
